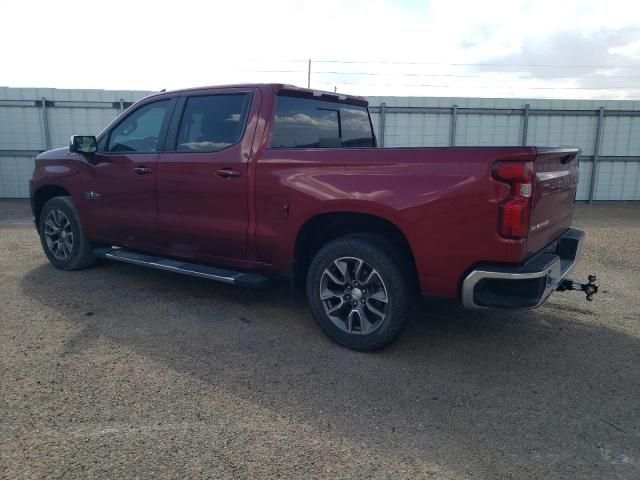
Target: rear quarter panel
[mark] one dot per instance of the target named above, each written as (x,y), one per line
(443,199)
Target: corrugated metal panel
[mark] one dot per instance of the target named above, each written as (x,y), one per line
(417,130)
(621,136)
(488,130)
(64,122)
(15,173)
(75,95)
(554,104)
(563,131)
(618,181)
(21,129)
(584,182)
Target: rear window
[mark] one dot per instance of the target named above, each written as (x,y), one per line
(310,123)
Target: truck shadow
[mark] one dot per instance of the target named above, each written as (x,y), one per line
(473,392)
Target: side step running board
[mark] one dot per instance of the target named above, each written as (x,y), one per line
(177,266)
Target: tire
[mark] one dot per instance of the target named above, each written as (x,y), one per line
(362,270)
(64,242)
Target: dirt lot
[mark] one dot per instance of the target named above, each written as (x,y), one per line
(123,372)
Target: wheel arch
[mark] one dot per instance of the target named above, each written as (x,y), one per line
(324,227)
(45,193)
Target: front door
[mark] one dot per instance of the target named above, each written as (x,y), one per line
(202,178)
(120,188)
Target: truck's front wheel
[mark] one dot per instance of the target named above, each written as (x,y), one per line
(63,240)
(359,291)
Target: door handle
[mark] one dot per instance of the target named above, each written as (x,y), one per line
(142,170)
(228,173)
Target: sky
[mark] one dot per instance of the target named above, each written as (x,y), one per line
(527,49)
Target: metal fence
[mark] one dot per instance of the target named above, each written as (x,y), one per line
(34,120)
(609,136)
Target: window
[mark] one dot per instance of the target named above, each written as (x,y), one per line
(310,123)
(140,131)
(213,122)
(356,127)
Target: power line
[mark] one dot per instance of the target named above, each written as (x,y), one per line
(478,64)
(606,87)
(454,75)
(436,75)
(531,65)
(269,71)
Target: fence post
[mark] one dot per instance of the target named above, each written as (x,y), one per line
(45,123)
(383,107)
(452,129)
(525,125)
(596,154)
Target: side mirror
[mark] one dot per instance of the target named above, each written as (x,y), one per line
(83,144)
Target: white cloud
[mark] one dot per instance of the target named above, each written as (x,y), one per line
(631,50)
(301,120)
(141,45)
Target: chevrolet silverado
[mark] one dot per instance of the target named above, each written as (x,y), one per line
(244,183)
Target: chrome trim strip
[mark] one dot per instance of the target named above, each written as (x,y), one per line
(554,274)
(170,268)
(544,176)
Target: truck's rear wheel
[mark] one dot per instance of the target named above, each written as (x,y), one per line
(63,240)
(359,291)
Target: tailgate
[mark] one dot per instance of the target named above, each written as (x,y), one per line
(554,193)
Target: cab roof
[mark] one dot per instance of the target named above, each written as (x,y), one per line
(276,88)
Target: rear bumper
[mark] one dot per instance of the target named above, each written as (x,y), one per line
(527,285)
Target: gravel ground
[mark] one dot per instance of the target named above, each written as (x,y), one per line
(123,372)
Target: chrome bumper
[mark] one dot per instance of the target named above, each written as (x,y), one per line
(527,285)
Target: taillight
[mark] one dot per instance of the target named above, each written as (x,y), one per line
(515,211)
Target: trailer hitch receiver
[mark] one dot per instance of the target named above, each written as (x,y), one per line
(590,288)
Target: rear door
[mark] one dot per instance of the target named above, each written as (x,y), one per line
(554,193)
(119,191)
(202,178)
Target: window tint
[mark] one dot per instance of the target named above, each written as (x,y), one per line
(213,122)
(140,131)
(309,123)
(356,128)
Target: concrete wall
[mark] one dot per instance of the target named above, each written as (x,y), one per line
(409,121)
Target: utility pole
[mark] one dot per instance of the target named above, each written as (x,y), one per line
(309,74)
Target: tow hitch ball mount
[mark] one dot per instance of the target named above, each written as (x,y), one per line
(590,288)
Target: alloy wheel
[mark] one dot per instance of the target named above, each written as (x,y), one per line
(58,234)
(354,295)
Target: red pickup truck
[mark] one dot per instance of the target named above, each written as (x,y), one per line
(246,182)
